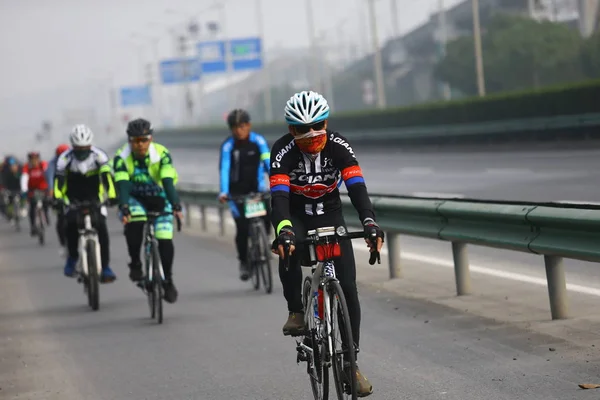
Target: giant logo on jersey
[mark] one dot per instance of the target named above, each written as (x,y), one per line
(313,191)
(313,186)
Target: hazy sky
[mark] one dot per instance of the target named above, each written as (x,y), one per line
(62,54)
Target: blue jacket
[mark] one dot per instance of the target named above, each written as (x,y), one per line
(243,165)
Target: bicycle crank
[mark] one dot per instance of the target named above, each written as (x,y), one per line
(303,352)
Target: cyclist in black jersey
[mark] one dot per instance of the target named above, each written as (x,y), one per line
(10,180)
(307,166)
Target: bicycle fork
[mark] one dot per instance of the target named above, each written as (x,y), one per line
(319,306)
(84,236)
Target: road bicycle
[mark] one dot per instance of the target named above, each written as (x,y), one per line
(259,249)
(154,277)
(327,340)
(89,263)
(39,199)
(14,207)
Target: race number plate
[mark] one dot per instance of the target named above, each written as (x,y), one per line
(254,208)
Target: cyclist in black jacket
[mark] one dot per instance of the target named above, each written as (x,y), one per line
(243,165)
(307,166)
(10,180)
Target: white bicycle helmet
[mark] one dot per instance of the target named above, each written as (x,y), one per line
(306,108)
(81,136)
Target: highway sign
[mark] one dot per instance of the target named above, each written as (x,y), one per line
(136,96)
(179,70)
(212,56)
(246,54)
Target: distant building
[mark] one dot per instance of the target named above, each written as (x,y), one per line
(408,61)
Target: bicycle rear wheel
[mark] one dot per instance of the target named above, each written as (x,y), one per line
(93,278)
(16,214)
(252,258)
(318,372)
(157,284)
(343,357)
(41,227)
(264,257)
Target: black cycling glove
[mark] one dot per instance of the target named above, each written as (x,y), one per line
(372,230)
(177,207)
(58,204)
(285,234)
(124,208)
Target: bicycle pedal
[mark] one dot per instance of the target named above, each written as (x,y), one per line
(301,356)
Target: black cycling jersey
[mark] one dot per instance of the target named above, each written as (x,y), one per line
(308,186)
(10,181)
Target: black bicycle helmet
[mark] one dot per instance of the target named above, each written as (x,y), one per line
(237,117)
(139,127)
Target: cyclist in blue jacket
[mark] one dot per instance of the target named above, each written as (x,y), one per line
(243,166)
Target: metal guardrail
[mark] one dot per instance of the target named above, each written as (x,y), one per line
(555,231)
(547,128)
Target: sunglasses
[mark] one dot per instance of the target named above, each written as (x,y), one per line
(140,140)
(302,129)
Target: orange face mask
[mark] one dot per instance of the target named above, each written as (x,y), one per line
(312,142)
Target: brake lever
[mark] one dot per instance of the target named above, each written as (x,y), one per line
(375,255)
(286,255)
(178,223)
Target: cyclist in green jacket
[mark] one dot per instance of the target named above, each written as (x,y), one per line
(144,173)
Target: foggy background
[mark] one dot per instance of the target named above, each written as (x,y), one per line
(64,61)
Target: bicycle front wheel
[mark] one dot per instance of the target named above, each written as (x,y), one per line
(157,284)
(318,371)
(148,287)
(93,278)
(343,355)
(40,227)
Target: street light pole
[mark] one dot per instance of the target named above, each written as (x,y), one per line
(228,71)
(478,51)
(315,59)
(395,21)
(443,40)
(266,79)
(377,61)
(157,100)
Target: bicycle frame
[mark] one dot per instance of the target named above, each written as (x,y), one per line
(88,233)
(256,218)
(149,241)
(322,272)
(14,203)
(39,211)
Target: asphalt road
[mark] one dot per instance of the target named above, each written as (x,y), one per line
(568,175)
(223,341)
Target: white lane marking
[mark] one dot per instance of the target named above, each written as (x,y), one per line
(508,171)
(514,276)
(438,195)
(447,263)
(416,171)
(577,202)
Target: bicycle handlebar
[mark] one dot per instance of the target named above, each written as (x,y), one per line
(155,214)
(314,239)
(242,197)
(76,204)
